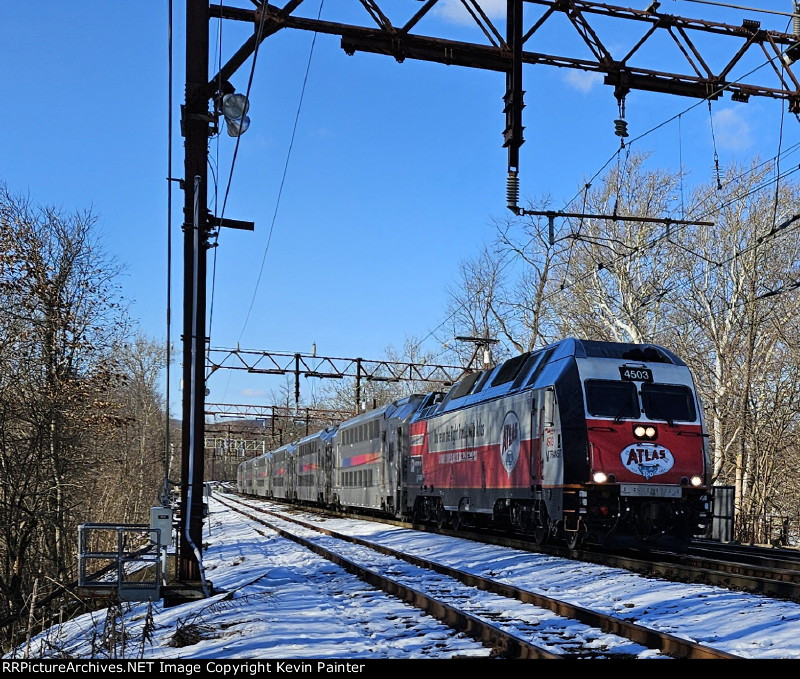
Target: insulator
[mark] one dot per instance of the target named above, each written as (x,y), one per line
(796,18)
(621,127)
(512,191)
(717,174)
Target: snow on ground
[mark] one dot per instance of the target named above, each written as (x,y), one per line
(744,624)
(280,601)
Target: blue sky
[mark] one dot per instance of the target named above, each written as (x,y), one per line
(395,175)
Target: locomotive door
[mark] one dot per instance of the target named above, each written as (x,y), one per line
(398,472)
(537,420)
(552,461)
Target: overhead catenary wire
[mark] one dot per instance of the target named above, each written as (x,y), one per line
(708,213)
(564,285)
(678,116)
(717,3)
(782,229)
(778,156)
(714,94)
(720,186)
(259,34)
(283,177)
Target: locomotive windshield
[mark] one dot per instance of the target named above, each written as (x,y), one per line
(668,402)
(606,398)
(620,400)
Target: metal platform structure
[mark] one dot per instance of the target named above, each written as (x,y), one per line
(120,561)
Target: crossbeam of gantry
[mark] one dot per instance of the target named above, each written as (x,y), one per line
(698,79)
(311,365)
(276,412)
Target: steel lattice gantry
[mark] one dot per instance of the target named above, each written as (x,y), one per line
(503,51)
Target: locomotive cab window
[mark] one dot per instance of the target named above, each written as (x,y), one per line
(606,398)
(668,402)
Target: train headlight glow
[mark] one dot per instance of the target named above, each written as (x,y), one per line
(599,477)
(645,432)
(697,481)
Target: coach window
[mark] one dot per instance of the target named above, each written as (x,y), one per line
(605,398)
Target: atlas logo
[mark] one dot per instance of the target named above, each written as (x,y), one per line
(647,459)
(509,442)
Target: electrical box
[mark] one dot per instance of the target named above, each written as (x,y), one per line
(161,517)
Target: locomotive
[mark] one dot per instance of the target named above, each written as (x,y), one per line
(583,441)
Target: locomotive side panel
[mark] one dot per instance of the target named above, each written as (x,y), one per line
(476,457)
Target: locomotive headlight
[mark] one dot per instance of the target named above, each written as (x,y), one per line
(645,432)
(696,481)
(599,477)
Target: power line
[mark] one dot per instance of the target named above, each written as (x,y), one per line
(283,177)
(776,230)
(259,34)
(747,9)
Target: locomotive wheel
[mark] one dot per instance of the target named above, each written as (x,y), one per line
(458,521)
(574,539)
(441,517)
(541,526)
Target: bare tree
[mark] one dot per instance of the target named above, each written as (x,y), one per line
(60,317)
(725,297)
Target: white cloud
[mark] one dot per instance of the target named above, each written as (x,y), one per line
(453,10)
(731,129)
(253,392)
(583,81)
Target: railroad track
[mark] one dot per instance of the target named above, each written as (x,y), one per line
(758,570)
(717,566)
(531,625)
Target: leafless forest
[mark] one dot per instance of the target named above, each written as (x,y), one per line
(81,419)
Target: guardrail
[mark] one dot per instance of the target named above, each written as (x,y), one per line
(121,561)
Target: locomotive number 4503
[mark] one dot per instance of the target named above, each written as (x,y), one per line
(635,374)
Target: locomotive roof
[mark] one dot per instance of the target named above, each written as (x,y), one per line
(647,353)
(527,370)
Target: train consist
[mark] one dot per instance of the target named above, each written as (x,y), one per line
(583,441)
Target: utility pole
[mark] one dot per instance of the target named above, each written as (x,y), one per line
(195,123)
